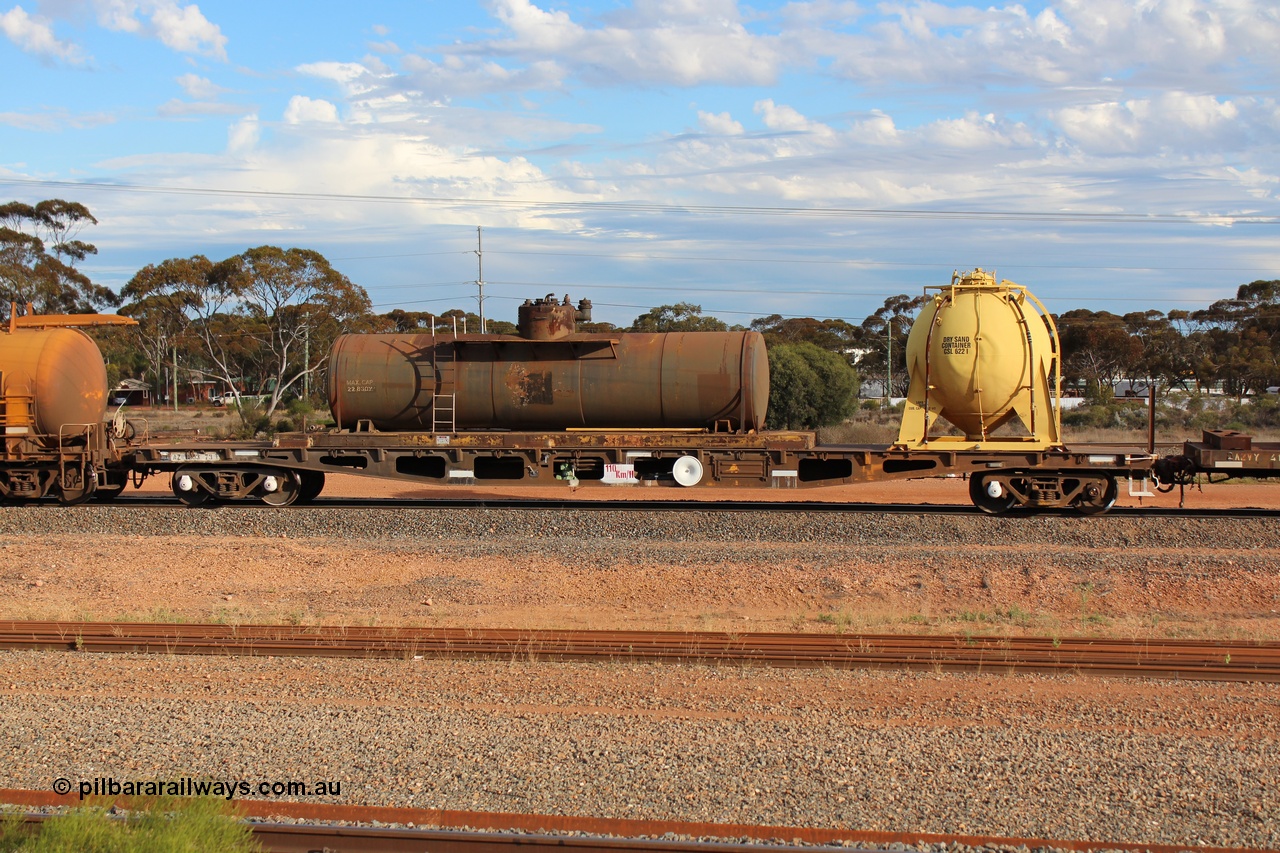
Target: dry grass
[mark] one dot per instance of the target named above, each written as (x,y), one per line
(209,420)
(873,426)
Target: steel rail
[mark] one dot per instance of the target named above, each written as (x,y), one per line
(1165,659)
(676,504)
(498,832)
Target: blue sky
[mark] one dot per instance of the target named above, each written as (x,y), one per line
(800,158)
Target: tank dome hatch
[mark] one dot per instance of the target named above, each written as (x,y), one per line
(983,356)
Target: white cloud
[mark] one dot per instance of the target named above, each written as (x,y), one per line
(353,77)
(303,109)
(183,28)
(243,136)
(878,129)
(1066,105)
(200,88)
(535,29)
(55,120)
(1258,184)
(979,132)
(177,108)
(186,29)
(35,35)
(782,117)
(118,15)
(1173,120)
(457,76)
(681,42)
(1071,42)
(785,119)
(719,123)
(821,12)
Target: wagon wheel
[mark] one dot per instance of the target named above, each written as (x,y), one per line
(74,488)
(990,495)
(286,488)
(186,487)
(312,486)
(1098,495)
(111,485)
(74,497)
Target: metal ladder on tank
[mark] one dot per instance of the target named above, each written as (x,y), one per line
(444,400)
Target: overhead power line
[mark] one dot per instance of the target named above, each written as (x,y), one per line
(858,262)
(696,209)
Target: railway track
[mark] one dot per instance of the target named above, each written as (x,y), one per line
(487,832)
(1165,659)
(689,505)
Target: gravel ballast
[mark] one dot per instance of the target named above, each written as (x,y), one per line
(686,525)
(1016,756)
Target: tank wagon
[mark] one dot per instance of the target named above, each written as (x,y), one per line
(552,405)
(53,400)
(551,377)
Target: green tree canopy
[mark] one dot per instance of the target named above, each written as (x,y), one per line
(262,320)
(681,317)
(809,387)
(1098,348)
(296,304)
(834,335)
(38,254)
(883,340)
(161,298)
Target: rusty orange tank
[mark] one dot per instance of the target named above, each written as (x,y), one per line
(551,378)
(50,377)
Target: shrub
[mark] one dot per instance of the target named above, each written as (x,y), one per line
(299,406)
(809,387)
(167,825)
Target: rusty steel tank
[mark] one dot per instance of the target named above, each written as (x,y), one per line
(50,377)
(550,377)
(982,355)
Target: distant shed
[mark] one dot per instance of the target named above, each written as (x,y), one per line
(131,392)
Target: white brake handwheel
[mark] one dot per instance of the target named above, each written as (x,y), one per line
(687,471)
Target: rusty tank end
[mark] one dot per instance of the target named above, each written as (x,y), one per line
(50,377)
(550,377)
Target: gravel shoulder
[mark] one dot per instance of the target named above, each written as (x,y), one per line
(679,569)
(1003,755)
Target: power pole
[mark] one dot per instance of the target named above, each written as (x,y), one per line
(480,276)
(175,377)
(306,364)
(888,362)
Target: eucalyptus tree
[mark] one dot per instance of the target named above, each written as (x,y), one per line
(681,317)
(162,298)
(295,304)
(883,339)
(39,251)
(262,321)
